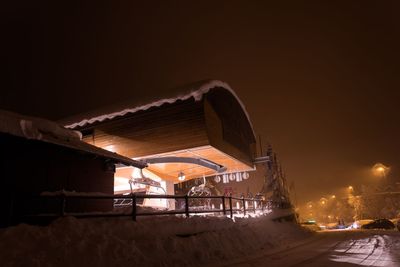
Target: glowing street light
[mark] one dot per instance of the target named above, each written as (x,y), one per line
(380,169)
(350,188)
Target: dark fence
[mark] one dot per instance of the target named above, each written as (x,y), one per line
(53,206)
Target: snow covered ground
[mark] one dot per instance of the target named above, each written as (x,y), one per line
(332,249)
(151,241)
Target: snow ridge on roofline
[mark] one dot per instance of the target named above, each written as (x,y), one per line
(196,93)
(50,132)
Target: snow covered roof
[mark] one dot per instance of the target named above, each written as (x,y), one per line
(50,132)
(195,90)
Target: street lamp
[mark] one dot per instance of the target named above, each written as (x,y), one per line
(380,169)
(350,188)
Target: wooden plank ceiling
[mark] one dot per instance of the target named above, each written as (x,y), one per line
(170,171)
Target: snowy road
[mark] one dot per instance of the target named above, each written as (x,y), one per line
(333,248)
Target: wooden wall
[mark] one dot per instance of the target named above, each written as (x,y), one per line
(227,126)
(159,130)
(31,167)
(217,120)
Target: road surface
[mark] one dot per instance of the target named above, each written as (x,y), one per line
(333,248)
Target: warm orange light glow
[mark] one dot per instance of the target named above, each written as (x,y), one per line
(181,176)
(380,170)
(110,148)
(350,188)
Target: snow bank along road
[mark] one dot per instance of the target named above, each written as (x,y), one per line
(334,248)
(196,241)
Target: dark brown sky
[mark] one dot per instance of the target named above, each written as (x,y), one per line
(320,80)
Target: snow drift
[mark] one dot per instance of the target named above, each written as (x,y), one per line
(161,241)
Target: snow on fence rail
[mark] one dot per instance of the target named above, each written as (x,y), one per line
(243,205)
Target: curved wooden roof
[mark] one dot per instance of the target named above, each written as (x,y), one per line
(207,120)
(195,90)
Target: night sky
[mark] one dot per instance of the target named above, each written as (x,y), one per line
(320,80)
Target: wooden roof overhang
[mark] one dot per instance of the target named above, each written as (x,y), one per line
(170,171)
(208,123)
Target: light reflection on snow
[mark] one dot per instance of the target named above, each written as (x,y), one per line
(258,213)
(364,252)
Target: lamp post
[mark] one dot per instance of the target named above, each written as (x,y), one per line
(323,201)
(350,189)
(382,170)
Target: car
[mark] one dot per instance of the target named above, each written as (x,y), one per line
(359,223)
(311,225)
(379,224)
(335,226)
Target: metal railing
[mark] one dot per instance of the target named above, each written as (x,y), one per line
(228,205)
